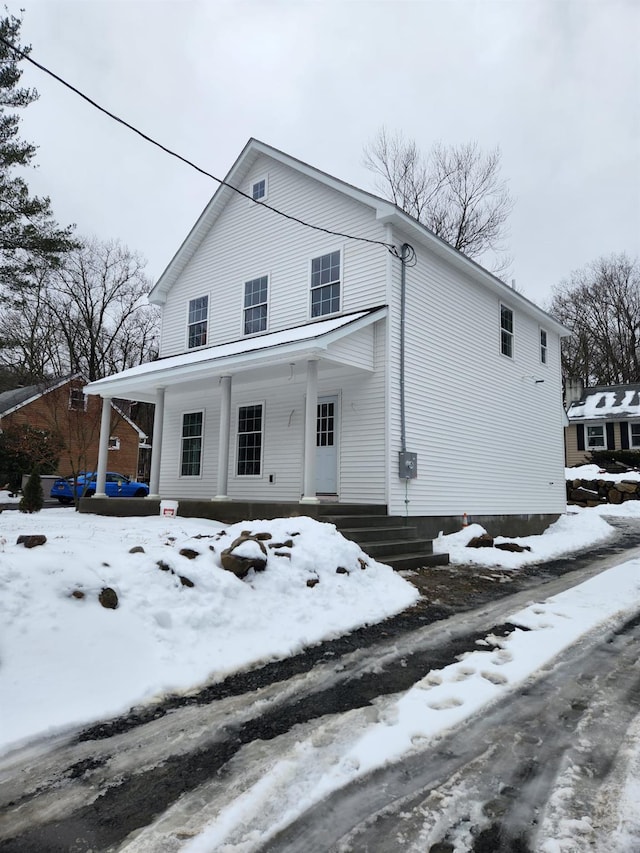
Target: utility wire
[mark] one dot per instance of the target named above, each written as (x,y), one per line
(389,246)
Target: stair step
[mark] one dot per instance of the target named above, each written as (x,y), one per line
(378,534)
(351,522)
(378,510)
(400,546)
(415,561)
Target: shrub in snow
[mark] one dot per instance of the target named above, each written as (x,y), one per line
(32,497)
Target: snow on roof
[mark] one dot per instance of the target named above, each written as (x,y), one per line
(611,401)
(298,334)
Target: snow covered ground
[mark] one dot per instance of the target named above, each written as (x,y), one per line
(66,660)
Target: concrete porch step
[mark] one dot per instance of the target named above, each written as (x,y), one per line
(415,561)
(381,550)
(377,534)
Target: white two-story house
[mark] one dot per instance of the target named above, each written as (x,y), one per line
(318,344)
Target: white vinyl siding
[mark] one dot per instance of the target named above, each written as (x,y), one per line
(479,427)
(285,248)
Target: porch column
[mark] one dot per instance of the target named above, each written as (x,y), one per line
(103,447)
(310,428)
(156,445)
(223,439)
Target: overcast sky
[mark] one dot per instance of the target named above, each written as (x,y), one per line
(554,83)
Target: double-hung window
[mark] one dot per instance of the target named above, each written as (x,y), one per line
(77,400)
(506,331)
(191,455)
(595,438)
(255,305)
(635,435)
(197,322)
(325,284)
(250,422)
(543,346)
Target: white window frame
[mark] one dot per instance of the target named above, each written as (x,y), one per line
(114,442)
(182,475)
(246,307)
(236,466)
(197,322)
(339,281)
(544,346)
(634,445)
(254,184)
(509,333)
(80,404)
(589,445)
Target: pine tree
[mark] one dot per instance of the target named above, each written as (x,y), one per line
(32,499)
(29,234)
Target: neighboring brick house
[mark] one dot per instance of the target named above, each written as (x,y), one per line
(603,417)
(62,407)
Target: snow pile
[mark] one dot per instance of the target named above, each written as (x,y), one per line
(569,533)
(65,659)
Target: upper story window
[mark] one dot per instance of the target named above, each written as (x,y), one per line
(250,422)
(325,284)
(77,400)
(259,189)
(255,305)
(114,442)
(506,331)
(191,451)
(543,346)
(197,322)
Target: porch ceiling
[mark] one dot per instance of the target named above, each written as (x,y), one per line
(268,354)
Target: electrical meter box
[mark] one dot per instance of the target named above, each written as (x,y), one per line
(408,465)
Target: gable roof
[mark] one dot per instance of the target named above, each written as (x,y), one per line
(384,210)
(17,398)
(618,402)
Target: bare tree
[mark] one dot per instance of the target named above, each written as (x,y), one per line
(455,191)
(89,315)
(600,303)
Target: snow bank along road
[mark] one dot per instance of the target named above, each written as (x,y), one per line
(519,777)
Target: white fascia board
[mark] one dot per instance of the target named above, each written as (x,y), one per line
(144,379)
(436,244)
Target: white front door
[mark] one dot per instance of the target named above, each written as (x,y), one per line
(327,446)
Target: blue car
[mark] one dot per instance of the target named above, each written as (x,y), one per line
(84,485)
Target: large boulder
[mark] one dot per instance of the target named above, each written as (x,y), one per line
(245,553)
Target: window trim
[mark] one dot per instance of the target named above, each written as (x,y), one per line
(254,182)
(544,346)
(632,444)
(510,333)
(116,443)
(587,443)
(197,476)
(85,400)
(245,308)
(188,324)
(236,474)
(339,282)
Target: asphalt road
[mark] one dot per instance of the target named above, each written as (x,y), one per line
(151,779)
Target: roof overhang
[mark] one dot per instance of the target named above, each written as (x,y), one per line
(314,340)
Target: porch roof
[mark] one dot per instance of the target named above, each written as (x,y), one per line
(311,340)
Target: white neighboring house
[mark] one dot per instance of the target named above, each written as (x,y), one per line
(295,366)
